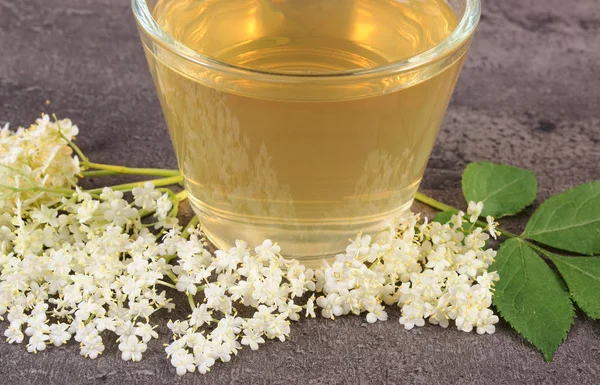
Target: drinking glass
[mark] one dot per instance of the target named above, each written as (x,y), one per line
(278,137)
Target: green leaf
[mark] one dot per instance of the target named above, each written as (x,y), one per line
(569,221)
(504,190)
(531,297)
(443,217)
(582,275)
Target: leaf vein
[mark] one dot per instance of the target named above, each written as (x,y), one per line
(553,230)
(579,269)
(502,188)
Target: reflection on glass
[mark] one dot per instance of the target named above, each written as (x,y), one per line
(310,166)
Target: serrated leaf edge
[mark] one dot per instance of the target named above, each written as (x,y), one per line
(547,357)
(534,236)
(509,213)
(561,258)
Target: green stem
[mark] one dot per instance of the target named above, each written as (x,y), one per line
(129,186)
(63,191)
(506,233)
(172,276)
(193,223)
(191,301)
(131,170)
(444,207)
(434,203)
(181,196)
(167,284)
(89,174)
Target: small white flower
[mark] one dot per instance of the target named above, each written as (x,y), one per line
(105,323)
(359,246)
(200,316)
(142,308)
(186,283)
(487,279)
(183,362)
(474,210)
(290,309)
(145,331)
(92,346)
(252,338)
(377,315)
(267,250)
(310,308)
(163,206)
(410,323)
(178,327)
(491,227)
(119,212)
(486,321)
(146,196)
(14,335)
(132,349)
(59,334)
(87,209)
(226,261)
(37,342)
(46,215)
(204,362)
(457,220)
(109,195)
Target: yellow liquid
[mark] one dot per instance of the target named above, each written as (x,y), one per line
(305,165)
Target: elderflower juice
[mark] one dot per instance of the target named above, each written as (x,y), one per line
(303,121)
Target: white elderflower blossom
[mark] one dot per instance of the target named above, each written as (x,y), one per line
(88,265)
(92,346)
(146,196)
(132,348)
(58,334)
(86,261)
(38,156)
(474,210)
(491,227)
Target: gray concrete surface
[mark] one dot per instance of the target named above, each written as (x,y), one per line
(529,96)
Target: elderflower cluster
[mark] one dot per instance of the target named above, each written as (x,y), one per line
(34,158)
(86,265)
(432,271)
(258,279)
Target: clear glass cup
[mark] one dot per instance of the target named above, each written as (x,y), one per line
(305,154)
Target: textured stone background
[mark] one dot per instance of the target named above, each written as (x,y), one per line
(528,95)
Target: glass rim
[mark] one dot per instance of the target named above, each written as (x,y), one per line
(459,35)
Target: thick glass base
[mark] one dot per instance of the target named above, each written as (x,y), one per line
(310,242)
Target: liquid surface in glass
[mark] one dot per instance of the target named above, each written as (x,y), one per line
(307,173)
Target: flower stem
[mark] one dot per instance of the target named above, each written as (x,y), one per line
(181,196)
(167,284)
(172,276)
(129,186)
(191,301)
(434,203)
(193,223)
(130,170)
(507,234)
(89,174)
(63,191)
